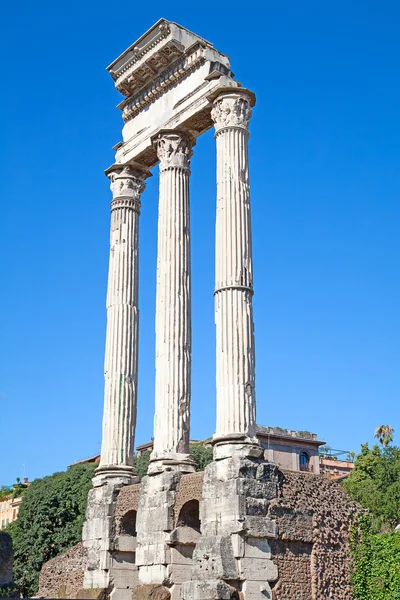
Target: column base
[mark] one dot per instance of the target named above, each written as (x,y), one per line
(236,444)
(179,461)
(117,474)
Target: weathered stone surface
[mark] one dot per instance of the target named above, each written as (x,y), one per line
(214,559)
(206,590)
(258,569)
(256,548)
(125,543)
(184,535)
(294,524)
(150,592)
(261,528)
(91,594)
(62,576)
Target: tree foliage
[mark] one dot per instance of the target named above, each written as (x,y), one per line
(49,522)
(376,563)
(202,455)
(384,433)
(375,484)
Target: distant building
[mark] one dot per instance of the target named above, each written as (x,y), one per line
(291,450)
(336,464)
(9,506)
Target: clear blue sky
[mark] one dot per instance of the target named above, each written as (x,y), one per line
(325,183)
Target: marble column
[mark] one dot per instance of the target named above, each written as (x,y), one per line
(173,306)
(236,402)
(121,355)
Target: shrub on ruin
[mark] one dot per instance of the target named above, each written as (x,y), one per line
(376,563)
(202,455)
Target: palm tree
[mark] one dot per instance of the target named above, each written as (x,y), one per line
(351,456)
(384,433)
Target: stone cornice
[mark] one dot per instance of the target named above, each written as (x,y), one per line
(160,85)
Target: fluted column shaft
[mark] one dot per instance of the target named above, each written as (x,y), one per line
(121,355)
(235,360)
(173,306)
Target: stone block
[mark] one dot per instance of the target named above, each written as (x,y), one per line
(224,508)
(92,593)
(97,528)
(257,590)
(150,592)
(96,579)
(121,594)
(123,578)
(256,548)
(206,590)
(153,554)
(238,545)
(256,506)
(258,569)
(125,543)
(179,573)
(260,489)
(153,574)
(123,560)
(213,558)
(184,535)
(260,527)
(182,555)
(176,592)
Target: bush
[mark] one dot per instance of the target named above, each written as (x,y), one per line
(376,560)
(50,521)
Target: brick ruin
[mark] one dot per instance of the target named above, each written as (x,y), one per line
(310,550)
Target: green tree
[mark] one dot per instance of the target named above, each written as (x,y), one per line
(141,462)
(49,522)
(384,433)
(375,484)
(203,455)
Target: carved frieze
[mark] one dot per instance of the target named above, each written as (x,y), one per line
(231,110)
(133,76)
(161,84)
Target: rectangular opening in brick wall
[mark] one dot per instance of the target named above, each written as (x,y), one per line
(293,560)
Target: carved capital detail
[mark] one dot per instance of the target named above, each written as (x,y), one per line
(231,110)
(174,150)
(126,185)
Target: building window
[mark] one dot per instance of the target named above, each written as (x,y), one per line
(304,461)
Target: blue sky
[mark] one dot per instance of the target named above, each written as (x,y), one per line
(325,184)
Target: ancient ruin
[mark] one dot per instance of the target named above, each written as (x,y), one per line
(241,528)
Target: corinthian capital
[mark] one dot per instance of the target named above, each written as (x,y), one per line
(127,184)
(174,149)
(231,109)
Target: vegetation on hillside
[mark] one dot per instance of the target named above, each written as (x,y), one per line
(375,484)
(376,562)
(49,522)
